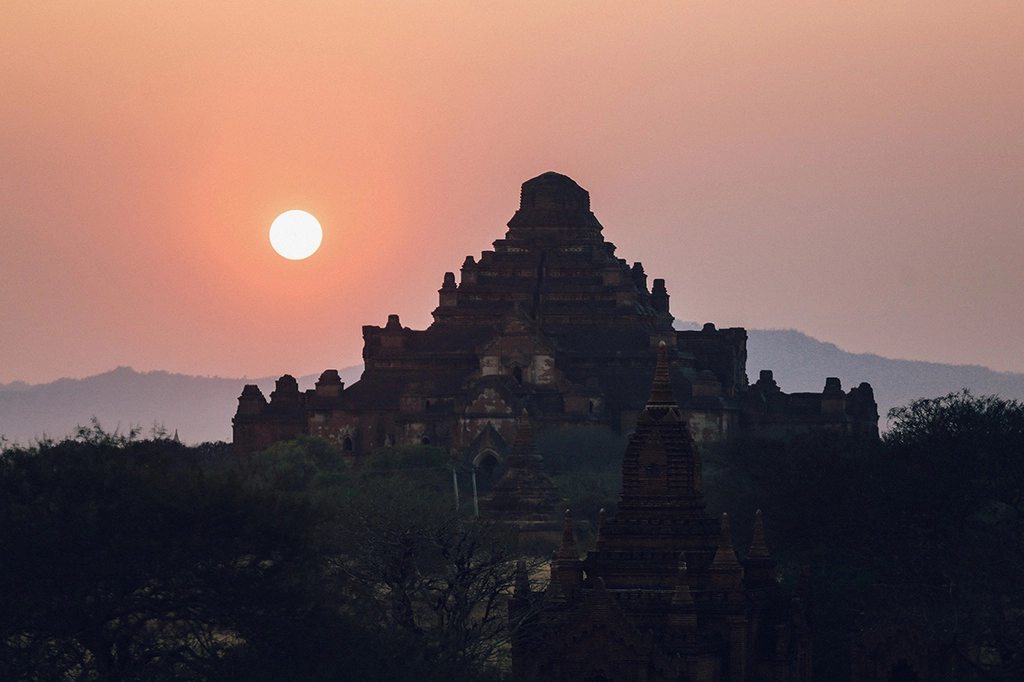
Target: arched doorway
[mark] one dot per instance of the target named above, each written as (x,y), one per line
(489,469)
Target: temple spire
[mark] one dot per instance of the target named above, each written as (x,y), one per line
(758,547)
(759,567)
(661,390)
(566,567)
(682,595)
(567,550)
(725,555)
(726,571)
(523,442)
(683,613)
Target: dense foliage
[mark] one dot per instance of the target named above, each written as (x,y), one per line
(129,559)
(586,465)
(921,534)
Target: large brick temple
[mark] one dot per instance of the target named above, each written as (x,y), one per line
(553,323)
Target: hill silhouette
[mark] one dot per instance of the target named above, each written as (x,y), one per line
(200,408)
(801,363)
(197,408)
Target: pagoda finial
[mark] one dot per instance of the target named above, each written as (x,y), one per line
(661,390)
(759,567)
(601,517)
(683,614)
(566,568)
(524,435)
(567,550)
(726,571)
(682,594)
(758,547)
(725,555)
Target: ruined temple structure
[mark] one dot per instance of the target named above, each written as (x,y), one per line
(662,596)
(551,322)
(524,497)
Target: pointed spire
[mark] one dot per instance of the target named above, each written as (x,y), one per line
(759,567)
(726,555)
(523,441)
(682,595)
(726,571)
(567,550)
(601,517)
(524,453)
(683,615)
(566,567)
(661,390)
(758,547)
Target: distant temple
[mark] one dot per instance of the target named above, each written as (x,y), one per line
(552,323)
(662,596)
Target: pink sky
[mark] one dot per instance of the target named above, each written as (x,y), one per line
(852,170)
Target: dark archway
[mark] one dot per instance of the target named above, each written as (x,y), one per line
(487,464)
(517,374)
(346,444)
(489,469)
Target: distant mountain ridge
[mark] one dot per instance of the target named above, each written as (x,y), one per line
(200,408)
(801,363)
(197,408)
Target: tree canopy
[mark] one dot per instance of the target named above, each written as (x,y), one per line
(145,560)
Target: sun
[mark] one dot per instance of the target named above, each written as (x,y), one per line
(296,234)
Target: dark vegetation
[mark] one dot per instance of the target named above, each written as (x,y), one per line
(921,534)
(586,465)
(131,559)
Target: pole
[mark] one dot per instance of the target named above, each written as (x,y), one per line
(455,484)
(476,501)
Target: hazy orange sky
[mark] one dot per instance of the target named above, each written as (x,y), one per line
(852,170)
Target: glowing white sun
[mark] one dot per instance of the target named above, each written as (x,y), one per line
(296,234)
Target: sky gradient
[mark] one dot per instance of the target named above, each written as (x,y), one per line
(851,170)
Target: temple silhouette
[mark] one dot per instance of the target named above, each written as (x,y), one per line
(662,596)
(550,323)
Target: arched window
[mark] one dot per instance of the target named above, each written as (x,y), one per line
(346,444)
(517,374)
(425,440)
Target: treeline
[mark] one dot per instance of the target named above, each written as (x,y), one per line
(128,559)
(918,537)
